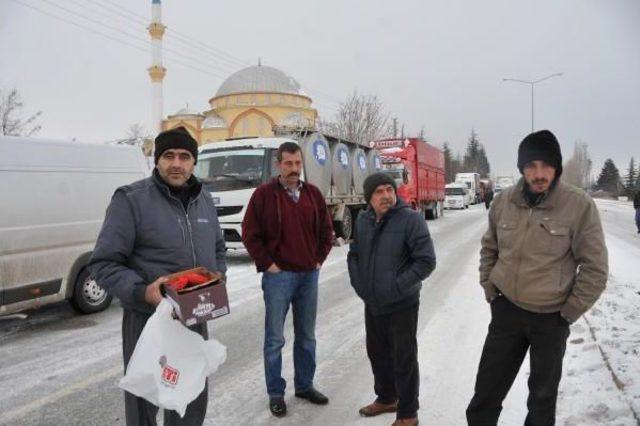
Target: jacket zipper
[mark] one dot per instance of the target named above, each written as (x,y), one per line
(189,230)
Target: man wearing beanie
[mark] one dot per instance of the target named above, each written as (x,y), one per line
(543,264)
(155,227)
(390,255)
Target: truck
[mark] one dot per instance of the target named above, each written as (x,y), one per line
(418,169)
(232,169)
(54,198)
(456,196)
(472,180)
(503,182)
(486,186)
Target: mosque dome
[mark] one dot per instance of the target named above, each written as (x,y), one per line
(185,112)
(259,79)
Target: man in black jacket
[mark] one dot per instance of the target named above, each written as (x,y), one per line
(391,254)
(154,227)
(636,205)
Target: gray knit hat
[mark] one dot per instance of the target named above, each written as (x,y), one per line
(375,180)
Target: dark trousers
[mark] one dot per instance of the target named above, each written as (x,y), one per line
(393,352)
(512,332)
(140,412)
(638,219)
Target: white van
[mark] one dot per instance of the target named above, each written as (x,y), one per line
(455,196)
(53,197)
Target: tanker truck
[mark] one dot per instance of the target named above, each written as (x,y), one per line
(231,170)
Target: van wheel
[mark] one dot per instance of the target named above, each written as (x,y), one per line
(343,227)
(88,297)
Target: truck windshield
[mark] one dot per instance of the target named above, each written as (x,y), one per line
(228,170)
(454,191)
(396,174)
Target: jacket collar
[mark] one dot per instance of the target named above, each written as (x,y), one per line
(400,204)
(550,202)
(194,184)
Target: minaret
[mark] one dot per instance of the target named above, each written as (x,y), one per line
(156,70)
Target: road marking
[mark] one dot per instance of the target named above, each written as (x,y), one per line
(20,412)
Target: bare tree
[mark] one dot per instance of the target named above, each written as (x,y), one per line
(361,119)
(137,135)
(11,122)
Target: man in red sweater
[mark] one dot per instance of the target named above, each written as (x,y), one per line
(287,231)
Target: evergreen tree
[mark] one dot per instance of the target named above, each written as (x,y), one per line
(631,179)
(484,168)
(470,161)
(609,179)
(448,163)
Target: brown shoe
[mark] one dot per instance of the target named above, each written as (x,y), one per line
(406,422)
(377,408)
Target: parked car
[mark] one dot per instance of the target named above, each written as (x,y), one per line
(54,196)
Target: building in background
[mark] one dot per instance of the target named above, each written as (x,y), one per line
(250,102)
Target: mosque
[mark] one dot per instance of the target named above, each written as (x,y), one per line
(251,102)
(254,101)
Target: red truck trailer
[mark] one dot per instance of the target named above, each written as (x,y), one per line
(418,169)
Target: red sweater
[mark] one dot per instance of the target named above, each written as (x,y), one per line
(294,236)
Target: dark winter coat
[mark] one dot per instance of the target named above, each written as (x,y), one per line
(636,201)
(147,233)
(389,259)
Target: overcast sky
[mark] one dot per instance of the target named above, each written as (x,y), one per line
(437,64)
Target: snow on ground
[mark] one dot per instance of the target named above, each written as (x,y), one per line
(600,383)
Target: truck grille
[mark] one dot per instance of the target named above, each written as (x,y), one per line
(228,210)
(232,236)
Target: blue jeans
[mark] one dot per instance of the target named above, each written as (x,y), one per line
(300,290)
(638,219)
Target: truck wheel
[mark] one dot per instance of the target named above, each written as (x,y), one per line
(88,297)
(343,227)
(430,213)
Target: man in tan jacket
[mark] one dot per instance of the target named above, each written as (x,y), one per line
(543,264)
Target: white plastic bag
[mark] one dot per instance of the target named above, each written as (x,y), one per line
(170,363)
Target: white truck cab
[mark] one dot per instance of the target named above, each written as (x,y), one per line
(456,196)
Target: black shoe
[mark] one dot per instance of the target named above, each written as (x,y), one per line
(278,407)
(313,396)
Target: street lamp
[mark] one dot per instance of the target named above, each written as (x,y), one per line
(533,83)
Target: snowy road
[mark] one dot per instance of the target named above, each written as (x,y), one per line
(58,368)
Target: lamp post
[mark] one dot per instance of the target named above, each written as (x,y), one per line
(532,84)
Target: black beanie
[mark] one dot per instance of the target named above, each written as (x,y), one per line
(541,146)
(178,138)
(375,180)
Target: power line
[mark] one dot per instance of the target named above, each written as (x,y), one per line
(186,38)
(92,30)
(231,65)
(188,41)
(144,40)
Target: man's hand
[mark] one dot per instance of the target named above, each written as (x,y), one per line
(152,293)
(274,268)
(318,265)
